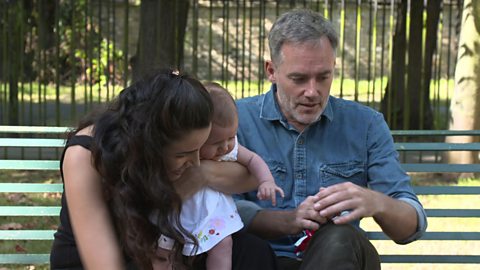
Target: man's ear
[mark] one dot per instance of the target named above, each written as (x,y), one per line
(270,70)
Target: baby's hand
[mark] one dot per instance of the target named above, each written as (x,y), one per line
(267,190)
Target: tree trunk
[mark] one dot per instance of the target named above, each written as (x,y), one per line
(3,8)
(394,91)
(46,23)
(434,7)
(408,107)
(161,36)
(464,108)
(15,45)
(411,106)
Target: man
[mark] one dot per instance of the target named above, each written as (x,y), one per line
(334,159)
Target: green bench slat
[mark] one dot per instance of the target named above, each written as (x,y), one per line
(419,190)
(29,164)
(30,188)
(432,167)
(430,259)
(26,234)
(36,259)
(447,190)
(432,236)
(29,142)
(29,211)
(33,129)
(45,258)
(440,146)
(453,212)
(435,132)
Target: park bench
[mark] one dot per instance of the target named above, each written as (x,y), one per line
(18,141)
(427,158)
(24,137)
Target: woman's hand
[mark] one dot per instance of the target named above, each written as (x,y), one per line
(191,181)
(161,261)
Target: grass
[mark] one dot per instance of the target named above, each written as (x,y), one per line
(86,97)
(367,90)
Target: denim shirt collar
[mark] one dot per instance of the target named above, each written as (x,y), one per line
(270,109)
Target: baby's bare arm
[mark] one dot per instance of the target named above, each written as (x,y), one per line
(258,168)
(254,164)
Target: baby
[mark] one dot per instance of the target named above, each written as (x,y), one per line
(222,144)
(212,216)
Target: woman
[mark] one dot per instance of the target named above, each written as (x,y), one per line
(141,155)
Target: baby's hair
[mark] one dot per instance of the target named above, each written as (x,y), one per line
(224,108)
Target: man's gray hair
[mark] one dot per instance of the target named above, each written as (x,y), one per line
(299,26)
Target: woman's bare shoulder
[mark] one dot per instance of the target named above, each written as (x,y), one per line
(88,131)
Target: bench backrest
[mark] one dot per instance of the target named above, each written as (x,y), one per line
(404,148)
(14,139)
(433,161)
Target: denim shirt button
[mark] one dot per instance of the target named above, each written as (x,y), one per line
(300,141)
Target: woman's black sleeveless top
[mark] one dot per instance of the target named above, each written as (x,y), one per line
(64,253)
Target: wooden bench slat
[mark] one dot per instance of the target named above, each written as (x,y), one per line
(30,188)
(36,259)
(29,211)
(33,129)
(29,142)
(440,146)
(15,164)
(463,213)
(456,236)
(435,167)
(26,234)
(447,190)
(435,132)
(463,259)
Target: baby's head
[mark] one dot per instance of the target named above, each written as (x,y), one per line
(224,123)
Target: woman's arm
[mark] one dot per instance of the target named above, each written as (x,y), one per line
(228,177)
(89,215)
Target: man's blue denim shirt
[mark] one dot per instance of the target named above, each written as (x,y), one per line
(350,142)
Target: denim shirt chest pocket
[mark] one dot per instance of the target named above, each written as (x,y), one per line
(335,173)
(279,173)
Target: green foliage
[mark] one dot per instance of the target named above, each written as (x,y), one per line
(81,51)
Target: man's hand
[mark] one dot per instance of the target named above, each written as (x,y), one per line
(354,201)
(267,190)
(307,217)
(272,224)
(397,218)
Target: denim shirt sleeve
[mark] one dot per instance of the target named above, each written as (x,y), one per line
(421,219)
(247,211)
(386,175)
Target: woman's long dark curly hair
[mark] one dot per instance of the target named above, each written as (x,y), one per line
(129,141)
